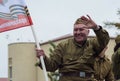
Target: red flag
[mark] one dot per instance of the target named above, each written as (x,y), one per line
(13,14)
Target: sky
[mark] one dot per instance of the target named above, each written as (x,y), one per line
(55,18)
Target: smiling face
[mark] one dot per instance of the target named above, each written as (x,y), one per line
(80,33)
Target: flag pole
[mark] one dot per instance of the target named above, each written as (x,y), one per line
(41,57)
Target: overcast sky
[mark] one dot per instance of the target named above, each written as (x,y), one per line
(55,18)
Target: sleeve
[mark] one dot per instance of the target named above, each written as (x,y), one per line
(54,61)
(117,57)
(101,41)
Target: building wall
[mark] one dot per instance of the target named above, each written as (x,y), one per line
(110,49)
(22,58)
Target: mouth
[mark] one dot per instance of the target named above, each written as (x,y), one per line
(79,36)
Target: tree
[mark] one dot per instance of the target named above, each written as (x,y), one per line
(116,24)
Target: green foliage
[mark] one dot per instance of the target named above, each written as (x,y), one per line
(113,23)
(37,64)
(52,44)
(54,76)
(116,24)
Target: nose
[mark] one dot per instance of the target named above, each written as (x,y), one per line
(78,31)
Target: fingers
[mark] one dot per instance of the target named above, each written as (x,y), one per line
(84,18)
(39,52)
(89,22)
(89,17)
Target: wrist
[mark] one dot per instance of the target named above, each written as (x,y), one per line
(96,28)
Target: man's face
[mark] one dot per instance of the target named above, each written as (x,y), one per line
(80,32)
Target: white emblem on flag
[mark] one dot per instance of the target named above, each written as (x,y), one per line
(13,14)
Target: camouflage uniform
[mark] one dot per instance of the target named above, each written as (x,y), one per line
(69,56)
(103,69)
(116,58)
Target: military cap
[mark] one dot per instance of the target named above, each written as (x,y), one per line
(117,39)
(80,21)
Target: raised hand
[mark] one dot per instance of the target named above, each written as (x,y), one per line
(89,22)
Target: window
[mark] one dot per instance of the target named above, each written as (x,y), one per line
(10,69)
(10,73)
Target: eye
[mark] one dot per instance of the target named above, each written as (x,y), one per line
(75,29)
(81,29)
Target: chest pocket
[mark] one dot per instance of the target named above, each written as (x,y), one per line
(87,56)
(70,59)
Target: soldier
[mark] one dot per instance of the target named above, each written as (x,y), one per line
(103,68)
(116,59)
(73,57)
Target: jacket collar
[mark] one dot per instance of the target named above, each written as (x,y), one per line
(80,45)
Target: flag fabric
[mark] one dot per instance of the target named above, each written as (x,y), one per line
(13,14)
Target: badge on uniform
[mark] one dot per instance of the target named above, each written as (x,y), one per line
(82,74)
